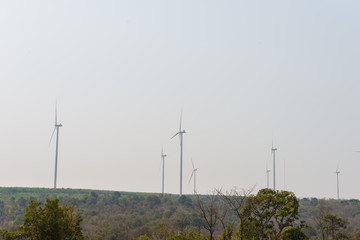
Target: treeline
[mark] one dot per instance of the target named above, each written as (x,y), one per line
(106,214)
(220,215)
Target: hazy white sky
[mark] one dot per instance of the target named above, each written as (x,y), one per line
(243,72)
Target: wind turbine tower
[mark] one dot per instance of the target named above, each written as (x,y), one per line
(273,150)
(57,126)
(337,183)
(267,177)
(180,133)
(193,174)
(163,156)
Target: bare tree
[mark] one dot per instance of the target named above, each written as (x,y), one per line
(223,210)
(235,200)
(209,211)
(226,224)
(318,218)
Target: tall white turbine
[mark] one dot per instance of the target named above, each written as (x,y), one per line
(163,156)
(267,177)
(193,174)
(57,126)
(180,133)
(273,150)
(337,182)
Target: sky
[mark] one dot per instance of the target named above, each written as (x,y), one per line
(246,74)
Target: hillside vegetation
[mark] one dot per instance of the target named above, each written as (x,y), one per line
(123,215)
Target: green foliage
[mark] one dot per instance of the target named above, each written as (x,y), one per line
(51,222)
(334,226)
(293,233)
(227,233)
(186,201)
(270,212)
(143,237)
(21,202)
(192,235)
(250,230)
(113,215)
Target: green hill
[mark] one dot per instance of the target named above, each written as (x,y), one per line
(125,215)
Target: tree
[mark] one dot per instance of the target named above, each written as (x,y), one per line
(236,200)
(191,235)
(271,211)
(226,233)
(318,218)
(329,224)
(181,221)
(227,227)
(334,226)
(50,222)
(287,210)
(293,233)
(209,211)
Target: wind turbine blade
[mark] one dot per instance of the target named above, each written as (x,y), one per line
(192,163)
(174,135)
(337,167)
(356,151)
(52,135)
(191,176)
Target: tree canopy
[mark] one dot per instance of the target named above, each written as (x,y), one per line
(270,212)
(52,221)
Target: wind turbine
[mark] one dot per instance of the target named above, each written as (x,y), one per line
(273,150)
(193,174)
(163,156)
(57,126)
(267,176)
(337,181)
(180,133)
